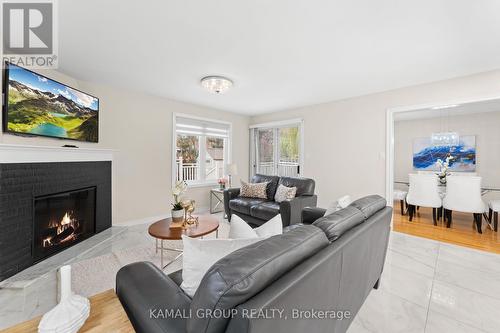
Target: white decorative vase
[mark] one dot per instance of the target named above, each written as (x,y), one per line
(71,312)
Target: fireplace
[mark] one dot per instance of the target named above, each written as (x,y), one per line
(62,220)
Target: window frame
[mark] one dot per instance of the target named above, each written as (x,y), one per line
(202,146)
(275,126)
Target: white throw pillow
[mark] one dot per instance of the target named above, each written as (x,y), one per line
(339,204)
(200,254)
(241,229)
(285,193)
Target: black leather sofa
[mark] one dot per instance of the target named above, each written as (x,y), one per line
(258,211)
(330,265)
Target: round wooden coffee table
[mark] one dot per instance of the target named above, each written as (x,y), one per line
(161,230)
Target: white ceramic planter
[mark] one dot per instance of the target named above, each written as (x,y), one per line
(178,215)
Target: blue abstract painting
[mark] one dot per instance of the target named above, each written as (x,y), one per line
(425,155)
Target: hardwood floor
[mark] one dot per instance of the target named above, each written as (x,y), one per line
(461,232)
(106,315)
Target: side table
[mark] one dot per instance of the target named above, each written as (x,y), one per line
(217,201)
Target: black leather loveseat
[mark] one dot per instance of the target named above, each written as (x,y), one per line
(331,265)
(258,211)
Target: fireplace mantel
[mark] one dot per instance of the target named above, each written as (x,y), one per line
(11,153)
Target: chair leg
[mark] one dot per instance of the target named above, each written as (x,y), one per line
(490,214)
(479,221)
(449,216)
(411,211)
(402,203)
(434,216)
(495,223)
(418,208)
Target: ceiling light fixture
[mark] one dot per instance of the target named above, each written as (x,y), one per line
(446,139)
(216,84)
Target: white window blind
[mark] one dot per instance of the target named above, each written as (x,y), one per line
(192,126)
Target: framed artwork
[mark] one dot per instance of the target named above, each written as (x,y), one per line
(425,155)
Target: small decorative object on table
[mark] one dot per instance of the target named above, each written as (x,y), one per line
(189,206)
(443,169)
(177,208)
(222,183)
(71,312)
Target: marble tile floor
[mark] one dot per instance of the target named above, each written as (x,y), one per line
(427,286)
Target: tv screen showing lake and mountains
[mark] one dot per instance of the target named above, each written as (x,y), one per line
(40,106)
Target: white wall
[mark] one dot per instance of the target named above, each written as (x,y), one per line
(345,140)
(485,126)
(139,127)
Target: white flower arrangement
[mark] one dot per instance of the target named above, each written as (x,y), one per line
(443,168)
(179,188)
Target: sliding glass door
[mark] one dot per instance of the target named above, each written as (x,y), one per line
(277,150)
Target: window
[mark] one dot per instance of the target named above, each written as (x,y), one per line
(277,148)
(201,149)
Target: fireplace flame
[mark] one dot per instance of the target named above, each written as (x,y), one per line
(65,230)
(66,219)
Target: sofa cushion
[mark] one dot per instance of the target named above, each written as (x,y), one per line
(271,187)
(265,210)
(243,205)
(305,186)
(242,274)
(369,205)
(337,223)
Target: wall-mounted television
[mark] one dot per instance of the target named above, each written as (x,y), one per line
(37,105)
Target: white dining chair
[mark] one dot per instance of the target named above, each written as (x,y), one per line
(494,208)
(423,192)
(400,196)
(463,194)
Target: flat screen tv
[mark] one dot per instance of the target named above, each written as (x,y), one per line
(37,105)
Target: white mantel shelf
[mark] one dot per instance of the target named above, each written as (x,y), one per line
(11,153)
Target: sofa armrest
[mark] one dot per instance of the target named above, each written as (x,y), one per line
(230,194)
(291,210)
(311,214)
(146,293)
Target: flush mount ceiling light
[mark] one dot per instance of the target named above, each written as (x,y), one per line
(216,84)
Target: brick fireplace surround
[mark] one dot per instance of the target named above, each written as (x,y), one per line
(27,172)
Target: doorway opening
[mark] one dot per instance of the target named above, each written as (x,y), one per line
(455,144)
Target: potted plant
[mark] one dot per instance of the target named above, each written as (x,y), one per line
(443,168)
(222,183)
(177,209)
